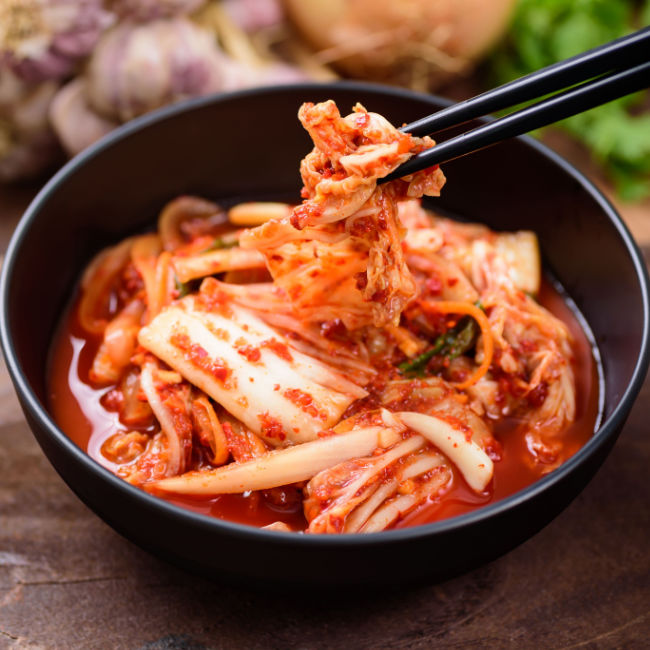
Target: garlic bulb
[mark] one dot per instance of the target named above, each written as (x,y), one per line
(27,144)
(44,39)
(146,10)
(74,122)
(253,15)
(137,67)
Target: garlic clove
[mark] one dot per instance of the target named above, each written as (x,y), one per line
(75,123)
(148,10)
(254,15)
(137,67)
(27,144)
(45,39)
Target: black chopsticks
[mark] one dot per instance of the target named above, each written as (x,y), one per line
(620,68)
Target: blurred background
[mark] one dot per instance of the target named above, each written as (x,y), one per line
(73,70)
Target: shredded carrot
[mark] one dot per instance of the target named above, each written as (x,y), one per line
(458,307)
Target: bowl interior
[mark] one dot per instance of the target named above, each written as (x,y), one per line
(248,146)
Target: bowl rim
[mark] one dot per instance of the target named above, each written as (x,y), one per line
(38,412)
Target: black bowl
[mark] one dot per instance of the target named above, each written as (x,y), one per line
(248,144)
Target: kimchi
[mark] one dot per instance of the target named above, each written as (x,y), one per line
(343,365)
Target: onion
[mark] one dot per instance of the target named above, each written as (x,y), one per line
(419,42)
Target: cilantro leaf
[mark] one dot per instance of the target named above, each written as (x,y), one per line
(546,31)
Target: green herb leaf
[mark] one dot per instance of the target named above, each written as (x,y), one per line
(220,243)
(183,288)
(451,345)
(463,340)
(417,367)
(546,31)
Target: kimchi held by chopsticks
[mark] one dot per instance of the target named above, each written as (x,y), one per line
(352,357)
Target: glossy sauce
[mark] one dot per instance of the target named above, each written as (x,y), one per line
(517,469)
(77,409)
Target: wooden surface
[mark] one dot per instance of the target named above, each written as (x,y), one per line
(68,581)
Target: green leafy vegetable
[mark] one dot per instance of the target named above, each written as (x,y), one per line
(220,243)
(451,344)
(546,31)
(183,288)
(417,367)
(465,339)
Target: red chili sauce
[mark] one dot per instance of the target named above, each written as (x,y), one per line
(77,409)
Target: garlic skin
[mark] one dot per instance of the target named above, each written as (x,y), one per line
(23,158)
(74,122)
(78,126)
(271,74)
(45,39)
(138,67)
(254,15)
(27,144)
(420,43)
(147,10)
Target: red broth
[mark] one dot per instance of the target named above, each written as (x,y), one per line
(516,469)
(77,408)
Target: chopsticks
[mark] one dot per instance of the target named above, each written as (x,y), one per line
(621,67)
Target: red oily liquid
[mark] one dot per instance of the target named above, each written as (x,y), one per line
(77,409)
(517,468)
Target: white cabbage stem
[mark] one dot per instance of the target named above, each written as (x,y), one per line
(257,213)
(248,368)
(281,466)
(118,345)
(401,505)
(520,250)
(166,419)
(350,484)
(227,259)
(473,463)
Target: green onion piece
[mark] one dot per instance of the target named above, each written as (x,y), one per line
(183,288)
(220,243)
(416,367)
(451,344)
(464,339)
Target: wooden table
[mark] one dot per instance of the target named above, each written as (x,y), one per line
(68,581)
